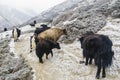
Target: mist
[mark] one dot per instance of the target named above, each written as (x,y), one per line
(33,5)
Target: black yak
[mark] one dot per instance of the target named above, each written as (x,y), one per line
(33,39)
(5,29)
(16,33)
(99,48)
(39,30)
(52,34)
(45,46)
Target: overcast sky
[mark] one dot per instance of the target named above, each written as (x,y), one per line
(36,5)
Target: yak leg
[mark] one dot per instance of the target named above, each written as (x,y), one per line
(40,60)
(47,55)
(86,63)
(98,72)
(39,56)
(51,53)
(103,73)
(90,62)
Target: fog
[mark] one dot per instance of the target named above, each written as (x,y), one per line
(35,5)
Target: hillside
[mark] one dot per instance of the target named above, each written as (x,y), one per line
(48,15)
(80,16)
(77,17)
(90,17)
(64,65)
(10,17)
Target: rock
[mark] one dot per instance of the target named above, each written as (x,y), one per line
(91,17)
(12,68)
(116,14)
(87,21)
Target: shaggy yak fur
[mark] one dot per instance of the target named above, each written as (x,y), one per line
(33,39)
(39,30)
(99,48)
(16,33)
(52,34)
(45,46)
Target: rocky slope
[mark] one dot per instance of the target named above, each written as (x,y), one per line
(64,65)
(79,16)
(101,16)
(90,17)
(13,67)
(48,15)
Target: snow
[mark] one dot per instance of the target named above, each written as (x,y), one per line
(8,34)
(35,5)
(64,65)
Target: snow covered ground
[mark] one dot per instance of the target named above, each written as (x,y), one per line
(8,34)
(64,65)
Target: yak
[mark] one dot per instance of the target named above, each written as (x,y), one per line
(39,30)
(5,29)
(45,46)
(16,33)
(52,34)
(99,48)
(33,39)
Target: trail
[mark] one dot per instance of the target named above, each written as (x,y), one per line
(64,65)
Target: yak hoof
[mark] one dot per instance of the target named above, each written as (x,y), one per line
(97,76)
(86,64)
(41,61)
(90,62)
(103,76)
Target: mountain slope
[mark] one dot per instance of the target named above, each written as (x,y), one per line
(10,17)
(64,65)
(48,15)
(91,17)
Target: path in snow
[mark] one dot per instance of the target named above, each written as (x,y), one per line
(64,65)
